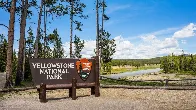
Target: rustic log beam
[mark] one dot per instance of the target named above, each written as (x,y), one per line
(150,87)
(68,86)
(74,81)
(97,84)
(43,93)
(117,86)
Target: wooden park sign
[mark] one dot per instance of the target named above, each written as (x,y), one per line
(51,74)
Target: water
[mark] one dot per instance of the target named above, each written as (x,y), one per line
(133,73)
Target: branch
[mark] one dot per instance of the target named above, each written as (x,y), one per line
(5,26)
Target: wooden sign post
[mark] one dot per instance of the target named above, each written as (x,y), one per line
(51,74)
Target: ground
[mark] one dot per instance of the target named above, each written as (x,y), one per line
(110,99)
(2,79)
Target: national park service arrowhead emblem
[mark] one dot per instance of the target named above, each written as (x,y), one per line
(84,68)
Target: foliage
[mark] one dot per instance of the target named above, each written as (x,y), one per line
(106,68)
(136,62)
(29,44)
(179,63)
(79,45)
(14,65)
(58,51)
(62,7)
(29,53)
(107,45)
(3,52)
(125,82)
(6,5)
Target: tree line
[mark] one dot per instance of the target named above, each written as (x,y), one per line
(135,62)
(43,44)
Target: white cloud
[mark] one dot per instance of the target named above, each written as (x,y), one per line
(150,45)
(88,50)
(187,31)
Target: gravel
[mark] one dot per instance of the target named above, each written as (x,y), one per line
(110,99)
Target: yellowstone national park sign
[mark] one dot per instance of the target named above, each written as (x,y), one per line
(62,71)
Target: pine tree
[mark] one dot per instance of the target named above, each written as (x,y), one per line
(20,72)
(79,45)
(75,10)
(14,65)
(9,82)
(3,51)
(106,44)
(37,42)
(29,51)
(58,50)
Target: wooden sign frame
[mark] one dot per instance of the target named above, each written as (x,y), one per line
(51,74)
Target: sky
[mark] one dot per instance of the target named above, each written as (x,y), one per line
(141,28)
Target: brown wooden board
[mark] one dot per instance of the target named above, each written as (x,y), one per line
(58,71)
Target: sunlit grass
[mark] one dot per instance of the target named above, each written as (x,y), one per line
(124,82)
(132,68)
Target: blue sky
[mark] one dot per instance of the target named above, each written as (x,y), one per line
(141,28)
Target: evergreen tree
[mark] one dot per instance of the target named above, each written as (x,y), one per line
(29,51)
(37,41)
(9,82)
(3,53)
(79,45)
(14,65)
(58,51)
(75,9)
(106,44)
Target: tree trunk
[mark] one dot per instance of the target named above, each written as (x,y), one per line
(45,17)
(38,30)
(102,16)
(19,73)
(97,37)
(71,28)
(101,32)
(9,82)
(24,53)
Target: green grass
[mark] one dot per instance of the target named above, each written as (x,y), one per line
(120,70)
(123,69)
(186,73)
(181,72)
(124,82)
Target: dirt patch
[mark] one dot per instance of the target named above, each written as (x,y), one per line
(110,99)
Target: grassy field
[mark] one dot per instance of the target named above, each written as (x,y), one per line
(124,82)
(116,69)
